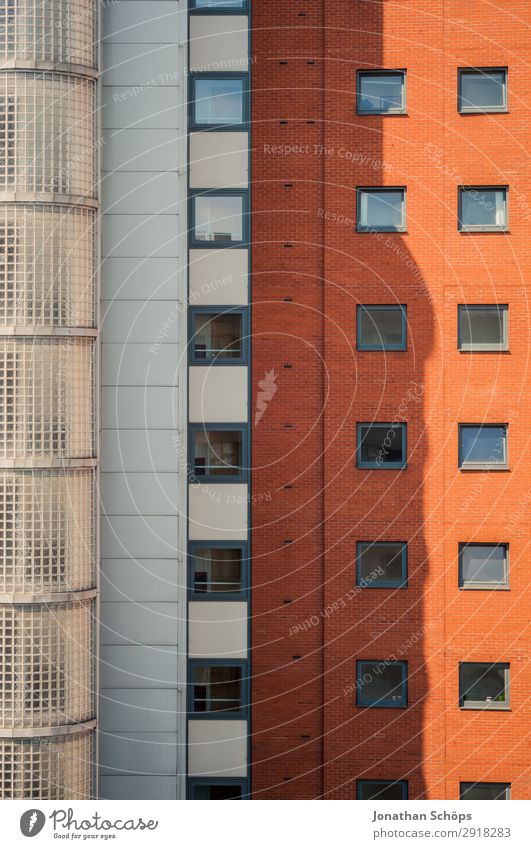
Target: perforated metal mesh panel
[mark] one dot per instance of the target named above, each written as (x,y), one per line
(47,265)
(50,768)
(46,531)
(48,30)
(46,398)
(47,137)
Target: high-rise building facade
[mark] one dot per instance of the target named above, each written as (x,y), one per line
(264,534)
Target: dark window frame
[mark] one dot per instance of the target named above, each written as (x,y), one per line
(506,785)
(243,594)
(378,583)
(484,464)
(212,244)
(366,464)
(483,347)
(479,110)
(371,228)
(243,475)
(223,782)
(380,703)
(218,127)
(474,705)
(221,310)
(380,308)
(403,783)
(242,713)
(481,585)
(482,228)
(370,72)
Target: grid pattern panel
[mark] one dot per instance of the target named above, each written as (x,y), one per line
(46,531)
(47,265)
(49,30)
(46,665)
(46,398)
(51,768)
(50,139)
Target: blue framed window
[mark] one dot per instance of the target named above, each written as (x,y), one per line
(381,327)
(470,791)
(217,6)
(482,90)
(217,336)
(381,683)
(483,446)
(381,209)
(482,327)
(218,101)
(484,686)
(218,452)
(216,789)
(218,570)
(381,564)
(483,566)
(381,93)
(368,788)
(217,689)
(218,218)
(483,209)
(381,445)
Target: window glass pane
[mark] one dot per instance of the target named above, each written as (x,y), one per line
(218,101)
(381,682)
(381,444)
(483,444)
(483,790)
(219,4)
(216,688)
(483,682)
(483,207)
(380,790)
(483,564)
(483,89)
(482,326)
(217,570)
(218,218)
(217,452)
(217,336)
(381,328)
(217,791)
(381,562)
(380,208)
(380,92)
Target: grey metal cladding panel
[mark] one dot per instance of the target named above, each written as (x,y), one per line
(135,365)
(133,494)
(143,580)
(138,710)
(143,623)
(147,22)
(139,754)
(140,192)
(155,107)
(138,787)
(141,235)
(139,407)
(151,278)
(140,321)
(139,450)
(142,65)
(148,667)
(141,150)
(136,536)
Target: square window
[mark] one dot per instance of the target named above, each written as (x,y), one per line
(477,790)
(216,790)
(217,454)
(484,685)
(381,564)
(216,688)
(382,790)
(482,446)
(381,327)
(381,93)
(482,327)
(381,209)
(482,208)
(381,445)
(482,90)
(216,337)
(483,566)
(218,218)
(381,683)
(218,101)
(217,569)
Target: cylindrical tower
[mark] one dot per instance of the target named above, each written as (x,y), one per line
(48,203)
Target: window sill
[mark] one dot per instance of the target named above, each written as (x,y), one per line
(372,230)
(492,350)
(495,110)
(484,468)
(484,587)
(397,114)
(504,708)
(468,230)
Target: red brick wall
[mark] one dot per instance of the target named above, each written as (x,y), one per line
(433,505)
